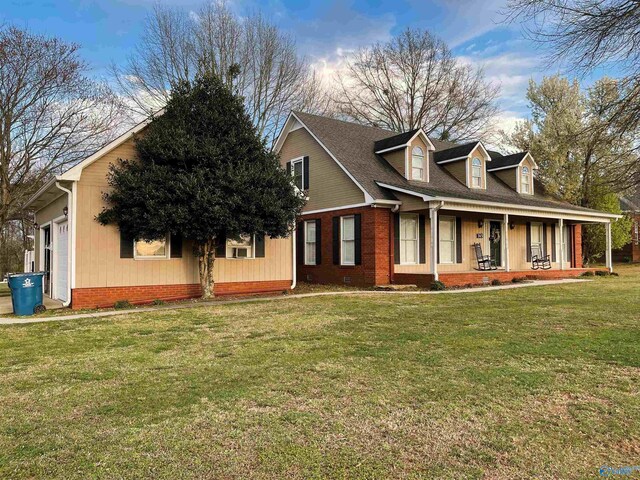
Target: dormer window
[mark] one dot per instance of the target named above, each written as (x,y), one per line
(476,173)
(525,180)
(417,164)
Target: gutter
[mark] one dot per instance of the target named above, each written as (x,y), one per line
(293,250)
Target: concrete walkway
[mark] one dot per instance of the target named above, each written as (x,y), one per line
(214,303)
(7,307)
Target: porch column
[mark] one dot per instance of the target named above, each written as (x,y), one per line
(609,263)
(433,219)
(561,236)
(505,222)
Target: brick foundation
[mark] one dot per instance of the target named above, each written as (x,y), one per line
(103,297)
(478,278)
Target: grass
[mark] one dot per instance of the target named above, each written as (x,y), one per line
(535,382)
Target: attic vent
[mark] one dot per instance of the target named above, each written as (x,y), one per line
(309,278)
(347,279)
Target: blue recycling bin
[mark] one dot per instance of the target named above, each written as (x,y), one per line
(26,292)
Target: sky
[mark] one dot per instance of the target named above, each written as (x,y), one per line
(325,31)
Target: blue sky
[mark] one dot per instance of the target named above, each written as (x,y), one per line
(325,31)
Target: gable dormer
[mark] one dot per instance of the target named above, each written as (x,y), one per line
(467,163)
(407,153)
(516,171)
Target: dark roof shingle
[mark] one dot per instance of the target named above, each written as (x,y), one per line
(455,152)
(394,141)
(507,161)
(353,146)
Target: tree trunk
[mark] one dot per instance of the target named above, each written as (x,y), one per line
(206,259)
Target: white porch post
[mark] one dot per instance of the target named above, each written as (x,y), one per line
(608,250)
(505,249)
(561,236)
(433,219)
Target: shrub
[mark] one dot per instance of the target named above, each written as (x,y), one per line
(588,273)
(518,279)
(626,259)
(438,285)
(602,273)
(469,285)
(495,282)
(158,302)
(122,304)
(614,274)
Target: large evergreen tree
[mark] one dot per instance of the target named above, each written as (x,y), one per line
(202,172)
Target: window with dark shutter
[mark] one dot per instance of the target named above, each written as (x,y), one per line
(176,245)
(126,246)
(305,173)
(553,243)
(300,243)
(458,240)
(423,240)
(336,240)
(358,238)
(259,246)
(396,239)
(318,242)
(528,241)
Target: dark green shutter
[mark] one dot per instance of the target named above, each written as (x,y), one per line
(396,239)
(126,246)
(221,247)
(458,240)
(553,243)
(422,240)
(259,246)
(336,240)
(289,168)
(438,238)
(318,242)
(545,250)
(357,225)
(300,243)
(305,173)
(528,241)
(176,245)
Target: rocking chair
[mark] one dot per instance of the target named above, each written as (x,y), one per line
(539,260)
(484,261)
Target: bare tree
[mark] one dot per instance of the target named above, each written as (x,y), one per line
(51,115)
(249,54)
(414,81)
(589,34)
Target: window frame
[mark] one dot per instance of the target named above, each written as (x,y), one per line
(342,240)
(248,257)
(415,156)
(416,219)
(295,161)
(473,177)
(313,241)
(167,251)
(453,241)
(528,182)
(540,229)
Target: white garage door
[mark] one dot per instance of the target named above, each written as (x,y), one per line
(61,253)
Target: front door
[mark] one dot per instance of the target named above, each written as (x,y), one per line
(495,242)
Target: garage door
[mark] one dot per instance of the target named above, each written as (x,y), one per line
(61,253)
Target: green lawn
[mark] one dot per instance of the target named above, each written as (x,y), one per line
(534,382)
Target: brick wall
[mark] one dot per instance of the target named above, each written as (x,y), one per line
(106,296)
(478,278)
(376,244)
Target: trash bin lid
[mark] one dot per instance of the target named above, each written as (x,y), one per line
(24,274)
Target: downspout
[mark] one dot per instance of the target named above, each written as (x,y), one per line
(293,250)
(71,210)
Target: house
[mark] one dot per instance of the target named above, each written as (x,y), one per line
(630,205)
(89,265)
(401,208)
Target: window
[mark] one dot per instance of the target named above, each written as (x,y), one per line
(297,167)
(525,180)
(348,239)
(447,232)
(152,249)
(476,173)
(310,242)
(409,239)
(241,247)
(417,164)
(537,237)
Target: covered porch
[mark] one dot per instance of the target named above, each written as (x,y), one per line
(445,240)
